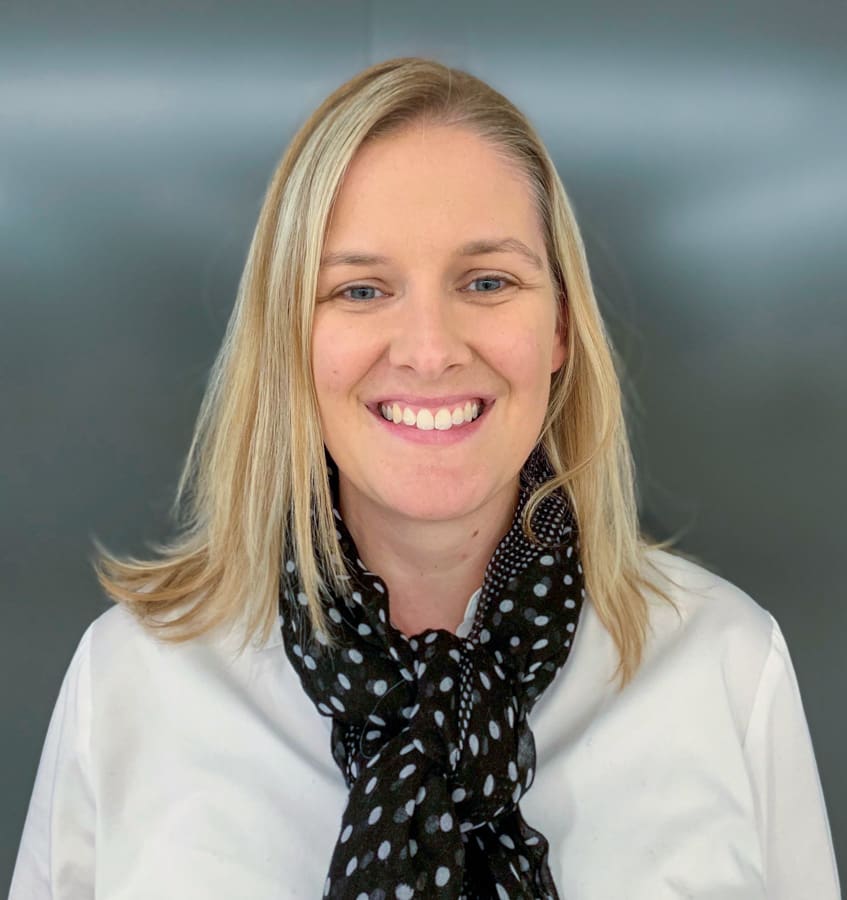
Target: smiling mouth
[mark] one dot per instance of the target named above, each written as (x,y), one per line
(442,418)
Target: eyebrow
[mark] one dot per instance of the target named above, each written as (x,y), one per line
(472,248)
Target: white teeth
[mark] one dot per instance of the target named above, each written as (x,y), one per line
(441,419)
(425,420)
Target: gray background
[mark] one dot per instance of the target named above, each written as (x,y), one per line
(703,146)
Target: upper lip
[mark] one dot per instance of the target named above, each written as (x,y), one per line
(431,402)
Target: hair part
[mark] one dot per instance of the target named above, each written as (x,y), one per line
(253,499)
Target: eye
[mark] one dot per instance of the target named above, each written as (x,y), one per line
(491,283)
(358,293)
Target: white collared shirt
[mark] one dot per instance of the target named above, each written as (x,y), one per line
(181,771)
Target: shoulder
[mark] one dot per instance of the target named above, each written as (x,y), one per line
(128,657)
(119,643)
(117,633)
(146,692)
(703,600)
(116,627)
(713,629)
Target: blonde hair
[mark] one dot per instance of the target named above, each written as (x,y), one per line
(254,491)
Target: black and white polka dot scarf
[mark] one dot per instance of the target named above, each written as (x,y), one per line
(431,731)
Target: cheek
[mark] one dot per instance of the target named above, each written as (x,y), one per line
(333,358)
(344,356)
(523,346)
(525,362)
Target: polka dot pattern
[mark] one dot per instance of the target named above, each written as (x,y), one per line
(430,731)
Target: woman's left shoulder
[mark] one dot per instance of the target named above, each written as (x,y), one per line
(702,601)
(711,628)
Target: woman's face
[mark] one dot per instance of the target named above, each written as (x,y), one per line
(435,330)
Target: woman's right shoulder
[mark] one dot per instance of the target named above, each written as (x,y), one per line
(116,640)
(127,658)
(116,626)
(125,655)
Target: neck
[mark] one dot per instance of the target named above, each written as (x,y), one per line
(431,568)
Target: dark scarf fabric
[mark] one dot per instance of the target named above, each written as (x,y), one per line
(431,732)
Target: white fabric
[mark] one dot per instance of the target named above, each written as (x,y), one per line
(179,771)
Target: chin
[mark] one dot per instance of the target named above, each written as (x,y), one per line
(428,511)
(436,502)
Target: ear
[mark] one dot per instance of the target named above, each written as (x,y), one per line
(560,338)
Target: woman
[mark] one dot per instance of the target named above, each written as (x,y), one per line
(410,642)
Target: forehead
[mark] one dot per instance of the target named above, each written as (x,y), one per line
(435,185)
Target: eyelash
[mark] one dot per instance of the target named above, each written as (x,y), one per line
(489,277)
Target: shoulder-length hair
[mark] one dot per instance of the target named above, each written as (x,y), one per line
(254,497)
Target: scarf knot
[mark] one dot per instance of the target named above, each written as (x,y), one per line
(431,731)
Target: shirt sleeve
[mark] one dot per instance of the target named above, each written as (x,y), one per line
(56,855)
(796,839)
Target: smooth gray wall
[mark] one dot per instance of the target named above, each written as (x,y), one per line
(703,146)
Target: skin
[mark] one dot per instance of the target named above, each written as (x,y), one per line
(429,323)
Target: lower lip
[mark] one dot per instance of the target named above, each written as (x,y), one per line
(434,437)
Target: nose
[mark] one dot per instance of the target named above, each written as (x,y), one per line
(430,336)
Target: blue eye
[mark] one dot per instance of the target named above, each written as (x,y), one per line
(355,291)
(364,293)
(489,279)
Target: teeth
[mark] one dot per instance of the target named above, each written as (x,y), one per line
(442,419)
